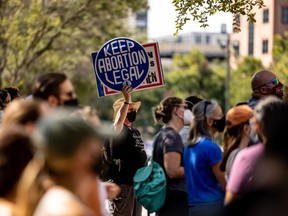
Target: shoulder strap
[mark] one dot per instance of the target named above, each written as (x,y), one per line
(154,142)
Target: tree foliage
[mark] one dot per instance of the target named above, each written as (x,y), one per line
(240,84)
(38,36)
(200,10)
(280,60)
(194,75)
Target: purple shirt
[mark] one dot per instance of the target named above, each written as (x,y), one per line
(243,168)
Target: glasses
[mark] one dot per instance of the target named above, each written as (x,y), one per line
(274,81)
(205,107)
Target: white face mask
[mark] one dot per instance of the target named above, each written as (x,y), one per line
(188,117)
(252,134)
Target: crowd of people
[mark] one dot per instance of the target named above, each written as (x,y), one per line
(57,158)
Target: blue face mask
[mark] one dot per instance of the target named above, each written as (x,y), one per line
(219,124)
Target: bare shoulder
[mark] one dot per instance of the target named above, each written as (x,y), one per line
(60,201)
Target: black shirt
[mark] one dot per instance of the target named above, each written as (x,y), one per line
(128,155)
(169,140)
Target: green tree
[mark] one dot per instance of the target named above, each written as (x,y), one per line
(37,36)
(194,75)
(200,10)
(240,84)
(280,60)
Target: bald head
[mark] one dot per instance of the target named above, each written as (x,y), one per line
(260,78)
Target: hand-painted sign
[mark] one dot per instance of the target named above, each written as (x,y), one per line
(121,60)
(153,79)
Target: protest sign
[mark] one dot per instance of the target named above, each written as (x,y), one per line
(121,60)
(154,77)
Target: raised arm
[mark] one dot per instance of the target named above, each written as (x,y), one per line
(122,113)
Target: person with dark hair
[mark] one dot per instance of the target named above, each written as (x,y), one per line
(168,152)
(13,91)
(246,161)
(128,154)
(268,192)
(264,83)
(188,117)
(56,89)
(237,135)
(5,98)
(16,150)
(202,157)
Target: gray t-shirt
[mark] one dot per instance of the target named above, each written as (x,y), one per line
(230,161)
(169,140)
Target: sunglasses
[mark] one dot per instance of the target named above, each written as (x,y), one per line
(274,81)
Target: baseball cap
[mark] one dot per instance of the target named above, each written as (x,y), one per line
(238,115)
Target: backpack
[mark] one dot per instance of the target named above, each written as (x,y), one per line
(150,186)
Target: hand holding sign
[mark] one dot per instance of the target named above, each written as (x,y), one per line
(126,92)
(154,78)
(121,60)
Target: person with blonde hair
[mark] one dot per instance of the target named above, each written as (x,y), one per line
(168,152)
(127,154)
(67,148)
(25,113)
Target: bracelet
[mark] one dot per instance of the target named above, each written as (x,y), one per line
(126,103)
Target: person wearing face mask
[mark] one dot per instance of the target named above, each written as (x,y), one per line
(128,155)
(188,117)
(168,153)
(202,157)
(56,89)
(263,84)
(263,167)
(237,135)
(246,162)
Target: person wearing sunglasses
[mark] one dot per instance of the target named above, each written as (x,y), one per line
(264,83)
(56,89)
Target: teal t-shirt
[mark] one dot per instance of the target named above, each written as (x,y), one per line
(202,185)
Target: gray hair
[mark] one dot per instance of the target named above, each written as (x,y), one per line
(202,110)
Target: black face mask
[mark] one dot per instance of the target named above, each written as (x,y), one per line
(131,116)
(71,103)
(219,124)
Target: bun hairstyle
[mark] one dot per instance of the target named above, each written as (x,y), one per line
(163,112)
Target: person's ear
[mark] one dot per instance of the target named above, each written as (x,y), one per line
(52,101)
(264,90)
(246,128)
(209,122)
(175,110)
